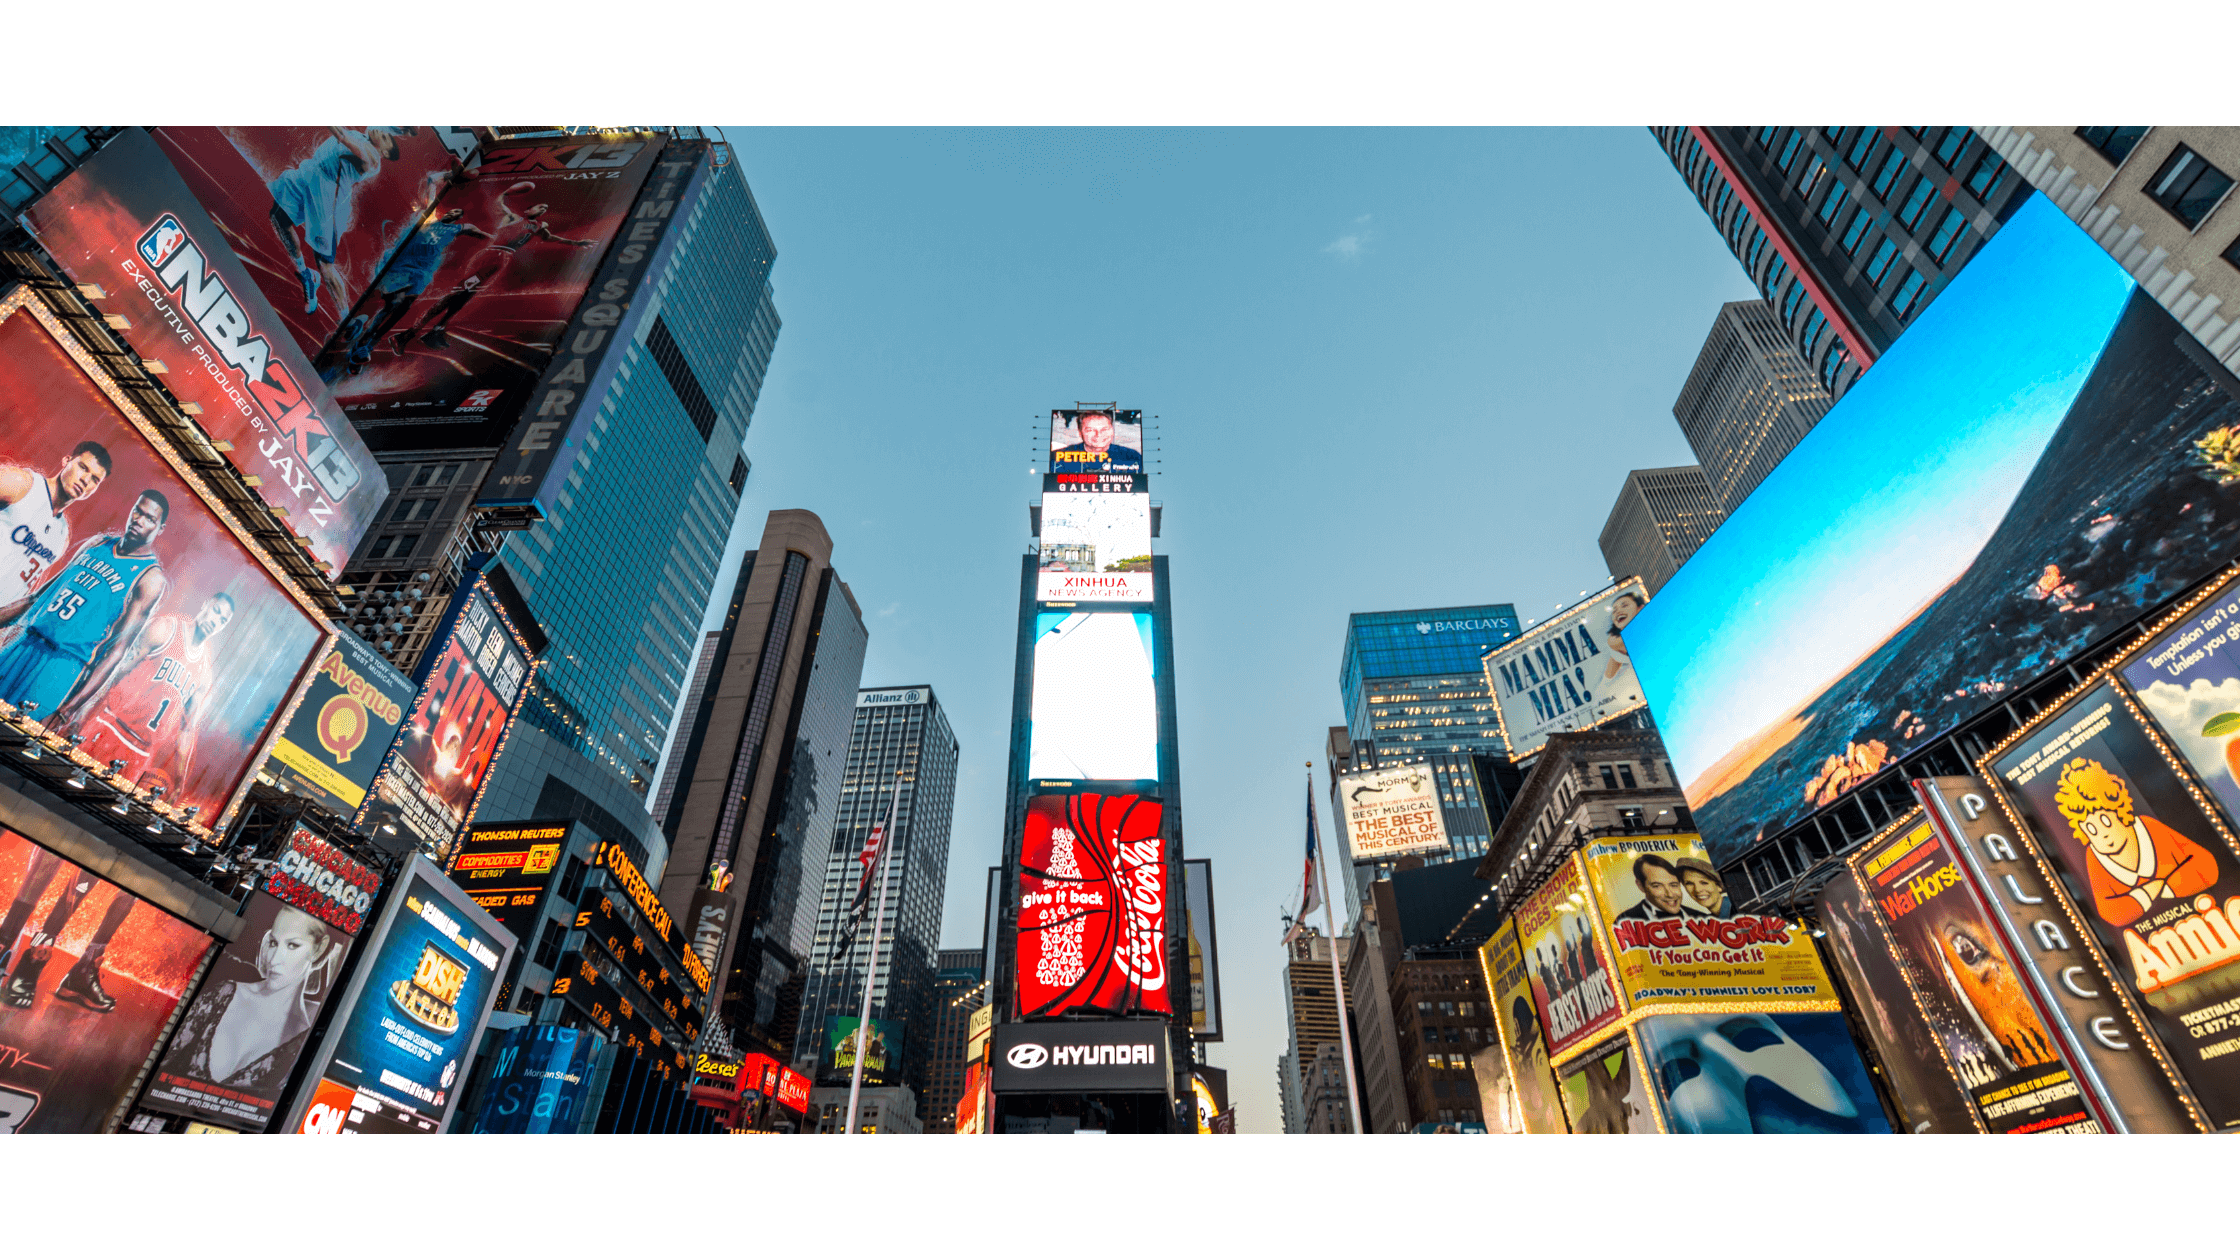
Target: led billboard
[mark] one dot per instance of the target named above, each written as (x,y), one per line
(1096,441)
(1092,906)
(1569,673)
(1392,812)
(2032,466)
(87,992)
(1096,708)
(472,306)
(1095,547)
(471,682)
(507,868)
(539,1082)
(882,1051)
(1204,952)
(1739,1072)
(130,613)
(399,1043)
(314,212)
(126,223)
(342,726)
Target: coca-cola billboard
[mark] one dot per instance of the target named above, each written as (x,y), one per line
(1093,892)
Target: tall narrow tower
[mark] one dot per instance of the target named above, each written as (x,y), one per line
(1091,978)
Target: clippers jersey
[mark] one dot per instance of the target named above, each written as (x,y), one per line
(33,535)
(75,611)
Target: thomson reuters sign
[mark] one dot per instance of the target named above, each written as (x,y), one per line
(1122,1055)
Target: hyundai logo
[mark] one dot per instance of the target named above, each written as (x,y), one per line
(1027,1055)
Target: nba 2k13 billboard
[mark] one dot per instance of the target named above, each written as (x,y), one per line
(125,222)
(130,614)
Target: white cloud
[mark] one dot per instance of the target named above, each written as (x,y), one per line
(1348,248)
(2184,711)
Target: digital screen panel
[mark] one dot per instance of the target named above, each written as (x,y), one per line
(1093,895)
(1096,710)
(1096,441)
(1095,547)
(507,868)
(2033,466)
(130,613)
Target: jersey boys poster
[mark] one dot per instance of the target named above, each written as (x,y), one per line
(129,614)
(1967,986)
(1677,939)
(230,1057)
(2154,878)
(314,212)
(92,975)
(126,222)
(471,306)
(1524,1052)
(349,715)
(1572,989)
(1093,890)
(434,775)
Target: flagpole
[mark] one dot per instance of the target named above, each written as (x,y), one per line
(871,968)
(1337,976)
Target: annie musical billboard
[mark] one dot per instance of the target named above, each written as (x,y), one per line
(130,613)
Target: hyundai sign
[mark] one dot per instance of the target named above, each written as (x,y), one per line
(1127,1055)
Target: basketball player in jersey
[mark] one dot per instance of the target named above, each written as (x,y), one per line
(86,619)
(33,532)
(316,196)
(149,715)
(486,266)
(82,983)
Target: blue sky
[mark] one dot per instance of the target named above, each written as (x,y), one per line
(1889,498)
(1393,369)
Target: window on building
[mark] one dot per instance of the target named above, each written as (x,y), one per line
(1990,172)
(1423,1008)
(1862,149)
(1917,202)
(1437,1062)
(2232,252)
(2188,187)
(1754,250)
(1810,180)
(415,509)
(1625,774)
(1790,304)
(1833,204)
(1789,150)
(1833,134)
(393,546)
(1893,169)
(1857,232)
(2112,143)
(1879,266)
(1831,364)
(548,943)
(1766,135)
(1908,293)
(1446,1008)
(1468,1008)
(1630,819)
(1950,148)
(1814,325)
(1947,235)
(1609,777)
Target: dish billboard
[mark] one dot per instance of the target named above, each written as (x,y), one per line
(2033,466)
(130,612)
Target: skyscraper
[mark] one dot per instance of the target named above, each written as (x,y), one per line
(1747,402)
(672,765)
(761,788)
(958,991)
(897,732)
(1310,1007)
(1848,232)
(1414,691)
(1662,515)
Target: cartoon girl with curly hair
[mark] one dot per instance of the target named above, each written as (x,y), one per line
(2136,863)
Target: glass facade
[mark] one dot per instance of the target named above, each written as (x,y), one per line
(620,573)
(893,734)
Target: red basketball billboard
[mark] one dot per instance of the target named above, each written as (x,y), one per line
(445,347)
(127,223)
(130,613)
(314,212)
(93,974)
(1092,906)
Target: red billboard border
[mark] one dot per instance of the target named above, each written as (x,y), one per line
(21,299)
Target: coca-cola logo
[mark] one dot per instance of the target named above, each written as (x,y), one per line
(1141,956)
(1026,1056)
